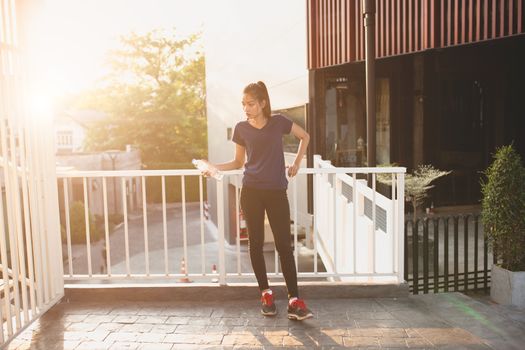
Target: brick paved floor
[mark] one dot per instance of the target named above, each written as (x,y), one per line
(442,321)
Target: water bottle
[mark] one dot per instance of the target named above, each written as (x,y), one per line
(203,166)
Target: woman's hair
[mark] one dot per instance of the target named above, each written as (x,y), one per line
(260,93)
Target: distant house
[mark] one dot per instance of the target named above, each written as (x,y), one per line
(70,132)
(70,129)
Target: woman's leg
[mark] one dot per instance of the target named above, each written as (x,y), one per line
(253,209)
(278,210)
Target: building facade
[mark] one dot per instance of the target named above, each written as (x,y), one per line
(449,91)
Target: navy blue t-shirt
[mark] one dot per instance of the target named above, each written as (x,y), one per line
(264,168)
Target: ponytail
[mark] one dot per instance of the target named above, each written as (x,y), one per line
(260,93)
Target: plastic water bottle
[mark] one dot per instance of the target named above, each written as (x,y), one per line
(203,166)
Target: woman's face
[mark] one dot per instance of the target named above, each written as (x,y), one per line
(252,107)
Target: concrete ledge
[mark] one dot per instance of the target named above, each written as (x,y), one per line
(214,292)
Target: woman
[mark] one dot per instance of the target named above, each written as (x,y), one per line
(258,141)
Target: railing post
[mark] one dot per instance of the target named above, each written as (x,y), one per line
(220,228)
(338,229)
(400,225)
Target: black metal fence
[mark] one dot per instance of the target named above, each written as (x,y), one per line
(449,254)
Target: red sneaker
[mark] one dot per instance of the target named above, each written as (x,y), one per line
(297,310)
(268,306)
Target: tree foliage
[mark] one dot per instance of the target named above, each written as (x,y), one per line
(417,184)
(503,208)
(154,96)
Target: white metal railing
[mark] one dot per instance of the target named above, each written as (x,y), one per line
(172,241)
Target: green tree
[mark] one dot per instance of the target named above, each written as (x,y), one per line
(154,96)
(417,184)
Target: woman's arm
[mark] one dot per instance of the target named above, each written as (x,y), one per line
(302,135)
(236,163)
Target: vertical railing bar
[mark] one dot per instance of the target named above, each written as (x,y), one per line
(184,228)
(436,255)
(476,246)
(201,201)
(11,218)
(415,257)
(354,221)
(164,225)
(126,228)
(65,182)
(406,265)
(374,223)
(88,233)
(19,242)
(337,215)
(315,219)
(237,230)
(425,255)
(395,242)
(8,232)
(57,273)
(295,248)
(145,223)
(220,227)
(485,263)
(445,253)
(40,255)
(276,261)
(401,222)
(27,222)
(465,250)
(456,221)
(33,251)
(3,252)
(106,225)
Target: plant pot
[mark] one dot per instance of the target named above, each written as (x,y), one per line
(507,287)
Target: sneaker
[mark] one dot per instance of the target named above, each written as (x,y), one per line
(268,306)
(297,310)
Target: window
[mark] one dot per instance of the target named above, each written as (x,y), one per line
(65,138)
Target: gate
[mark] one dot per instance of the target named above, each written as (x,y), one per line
(31,278)
(452,254)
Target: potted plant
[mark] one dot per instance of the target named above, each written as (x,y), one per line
(503,217)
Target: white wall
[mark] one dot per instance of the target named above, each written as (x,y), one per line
(246,41)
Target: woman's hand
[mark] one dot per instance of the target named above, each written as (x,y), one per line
(292,170)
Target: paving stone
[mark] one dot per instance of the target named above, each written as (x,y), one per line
(126,319)
(82,327)
(136,327)
(413,322)
(151,337)
(124,346)
(152,319)
(109,327)
(361,341)
(177,320)
(155,346)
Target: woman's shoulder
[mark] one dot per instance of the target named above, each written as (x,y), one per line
(242,123)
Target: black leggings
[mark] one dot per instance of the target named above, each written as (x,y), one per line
(254,203)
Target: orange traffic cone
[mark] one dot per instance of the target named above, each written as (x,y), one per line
(184,278)
(214,272)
